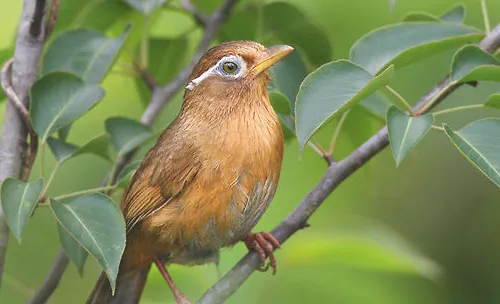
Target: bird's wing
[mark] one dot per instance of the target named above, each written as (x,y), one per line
(161,177)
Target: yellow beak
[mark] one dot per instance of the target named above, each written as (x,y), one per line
(270,56)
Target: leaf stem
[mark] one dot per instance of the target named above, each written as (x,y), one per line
(336,133)
(51,178)
(484,9)
(112,174)
(437,97)
(400,100)
(321,152)
(458,109)
(83,192)
(42,160)
(437,128)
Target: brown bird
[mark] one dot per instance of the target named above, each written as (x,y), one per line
(211,175)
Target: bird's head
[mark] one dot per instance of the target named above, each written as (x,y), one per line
(233,70)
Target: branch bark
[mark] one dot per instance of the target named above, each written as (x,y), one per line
(334,176)
(29,45)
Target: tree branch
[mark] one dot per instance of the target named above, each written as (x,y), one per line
(334,176)
(199,17)
(29,44)
(52,280)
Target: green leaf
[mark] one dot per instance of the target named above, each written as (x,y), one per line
(420,16)
(301,32)
(94,14)
(479,142)
(470,63)
(75,252)
(363,245)
(166,58)
(330,91)
(287,75)
(493,101)
(64,151)
(280,103)
(126,134)
(59,98)
(84,52)
(455,14)
(405,43)
(287,126)
(124,177)
(19,200)
(405,132)
(145,6)
(94,222)
(241,25)
(64,132)
(5,54)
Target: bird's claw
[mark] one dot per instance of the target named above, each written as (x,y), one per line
(263,243)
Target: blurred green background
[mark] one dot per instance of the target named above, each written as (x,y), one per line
(435,199)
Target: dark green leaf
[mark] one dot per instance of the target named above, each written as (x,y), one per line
(420,16)
(301,32)
(86,53)
(287,75)
(124,177)
(241,25)
(19,200)
(287,126)
(330,91)
(470,63)
(94,222)
(493,101)
(405,43)
(279,102)
(75,252)
(63,151)
(479,142)
(455,14)
(405,132)
(126,134)
(145,6)
(166,57)
(64,132)
(94,14)
(59,98)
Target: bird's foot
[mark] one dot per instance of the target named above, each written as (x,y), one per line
(263,243)
(179,297)
(182,299)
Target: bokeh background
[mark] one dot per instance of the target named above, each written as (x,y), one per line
(435,200)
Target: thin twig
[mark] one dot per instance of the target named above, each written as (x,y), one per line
(54,13)
(52,280)
(333,177)
(12,96)
(486,18)
(200,18)
(28,49)
(336,133)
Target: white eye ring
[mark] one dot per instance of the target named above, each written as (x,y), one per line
(218,68)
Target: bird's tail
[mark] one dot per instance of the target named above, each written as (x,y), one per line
(128,289)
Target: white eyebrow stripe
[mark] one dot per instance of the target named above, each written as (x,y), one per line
(211,71)
(193,83)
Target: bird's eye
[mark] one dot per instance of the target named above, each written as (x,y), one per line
(229,67)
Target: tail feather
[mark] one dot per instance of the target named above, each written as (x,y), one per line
(128,289)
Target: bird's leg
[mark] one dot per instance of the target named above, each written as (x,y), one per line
(179,297)
(263,243)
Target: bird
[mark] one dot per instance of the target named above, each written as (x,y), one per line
(211,174)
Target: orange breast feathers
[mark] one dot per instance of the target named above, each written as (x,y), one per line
(204,185)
